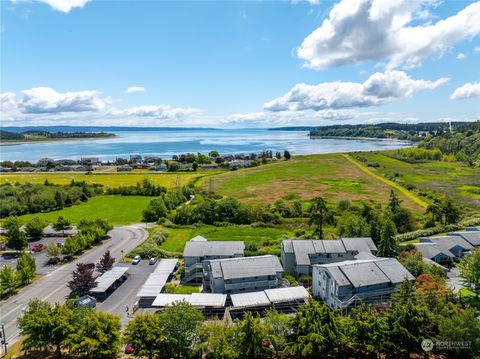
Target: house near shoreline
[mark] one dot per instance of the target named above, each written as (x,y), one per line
(298,256)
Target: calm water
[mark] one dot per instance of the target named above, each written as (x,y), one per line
(167,143)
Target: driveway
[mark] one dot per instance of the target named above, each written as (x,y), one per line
(454,281)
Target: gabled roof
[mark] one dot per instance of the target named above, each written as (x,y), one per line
(213,248)
(361,244)
(245,267)
(431,250)
(198,239)
(450,242)
(304,248)
(361,273)
(472,237)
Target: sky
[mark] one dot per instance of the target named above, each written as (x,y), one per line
(238,63)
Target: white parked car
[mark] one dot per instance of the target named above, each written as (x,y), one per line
(152,261)
(136,260)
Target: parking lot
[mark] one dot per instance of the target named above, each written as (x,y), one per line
(41,258)
(126,293)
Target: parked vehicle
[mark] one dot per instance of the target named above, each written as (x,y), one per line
(37,247)
(86,301)
(152,261)
(136,260)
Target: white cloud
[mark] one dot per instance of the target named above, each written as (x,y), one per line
(157,111)
(47,100)
(461,56)
(65,5)
(8,106)
(135,89)
(477,49)
(358,30)
(469,90)
(378,89)
(312,2)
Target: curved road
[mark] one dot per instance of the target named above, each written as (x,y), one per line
(53,286)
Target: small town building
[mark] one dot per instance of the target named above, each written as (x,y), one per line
(156,281)
(471,236)
(298,256)
(109,281)
(342,284)
(244,274)
(435,253)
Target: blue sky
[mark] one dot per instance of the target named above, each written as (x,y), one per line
(238,64)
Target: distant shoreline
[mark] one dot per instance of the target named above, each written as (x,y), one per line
(361,138)
(46,140)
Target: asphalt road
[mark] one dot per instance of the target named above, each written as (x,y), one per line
(53,286)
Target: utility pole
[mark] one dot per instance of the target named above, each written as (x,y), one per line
(3,340)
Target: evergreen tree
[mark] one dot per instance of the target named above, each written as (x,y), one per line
(387,247)
(286,155)
(251,335)
(315,332)
(318,215)
(394,202)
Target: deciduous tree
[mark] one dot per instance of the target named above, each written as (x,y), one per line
(469,267)
(34,228)
(82,279)
(144,333)
(105,263)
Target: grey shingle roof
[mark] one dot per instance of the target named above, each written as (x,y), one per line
(472,237)
(363,244)
(212,248)
(431,250)
(334,246)
(361,273)
(245,267)
(302,249)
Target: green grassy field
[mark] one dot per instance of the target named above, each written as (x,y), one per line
(115,209)
(106,179)
(331,175)
(453,179)
(268,238)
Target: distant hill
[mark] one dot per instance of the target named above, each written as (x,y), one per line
(99,128)
(402,131)
(36,135)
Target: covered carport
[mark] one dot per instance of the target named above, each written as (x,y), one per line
(109,281)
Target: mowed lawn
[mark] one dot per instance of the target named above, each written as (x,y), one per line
(267,238)
(453,179)
(115,209)
(106,179)
(304,177)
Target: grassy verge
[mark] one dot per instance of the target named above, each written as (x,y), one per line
(115,209)
(392,184)
(181,289)
(267,240)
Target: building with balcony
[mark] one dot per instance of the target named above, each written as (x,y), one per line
(199,249)
(298,256)
(342,284)
(244,274)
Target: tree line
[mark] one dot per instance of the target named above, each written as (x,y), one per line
(18,199)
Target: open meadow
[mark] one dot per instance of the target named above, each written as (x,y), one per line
(115,209)
(266,238)
(453,179)
(105,179)
(330,175)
